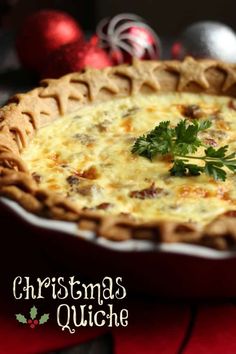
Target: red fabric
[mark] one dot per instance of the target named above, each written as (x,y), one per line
(214,330)
(153,328)
(20,339)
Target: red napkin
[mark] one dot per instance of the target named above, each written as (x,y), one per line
(214,330)
(153,328)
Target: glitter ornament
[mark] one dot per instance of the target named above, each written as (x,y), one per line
(206,39)
(125,36)
(41,33)
(75,56)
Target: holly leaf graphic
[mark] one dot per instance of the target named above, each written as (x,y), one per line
(33,312)
(21,318)
(44,318)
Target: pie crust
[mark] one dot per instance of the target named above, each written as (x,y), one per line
(25,113)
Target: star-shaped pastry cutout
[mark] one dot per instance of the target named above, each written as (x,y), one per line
(6,140)
(17,124)
(32,105)
(96,80)
(141,72)
(194,71)
(62,90)
(231,77)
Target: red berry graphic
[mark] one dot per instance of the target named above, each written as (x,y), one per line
(32,321)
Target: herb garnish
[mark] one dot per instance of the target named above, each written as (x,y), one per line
(181,143)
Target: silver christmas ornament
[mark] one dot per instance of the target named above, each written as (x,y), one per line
(207,39)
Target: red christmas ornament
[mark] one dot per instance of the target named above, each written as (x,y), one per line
(43,32)
(76,56)
(176,50)
(125,36)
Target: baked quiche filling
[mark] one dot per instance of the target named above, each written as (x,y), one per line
(86,156)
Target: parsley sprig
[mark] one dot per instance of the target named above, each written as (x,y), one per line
(181,143)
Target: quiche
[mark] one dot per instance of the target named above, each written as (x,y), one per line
(66,151)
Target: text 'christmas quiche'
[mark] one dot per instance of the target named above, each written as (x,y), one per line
(145,151)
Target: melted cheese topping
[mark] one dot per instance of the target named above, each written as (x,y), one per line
(86,156)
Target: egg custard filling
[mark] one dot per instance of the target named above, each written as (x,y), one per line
(86,156)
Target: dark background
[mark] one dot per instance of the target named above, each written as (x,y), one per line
(168,18)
